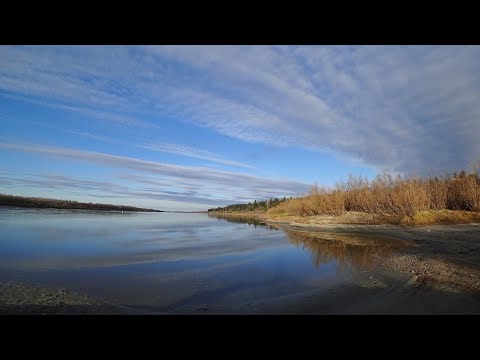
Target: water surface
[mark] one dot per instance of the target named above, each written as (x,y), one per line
(166,261)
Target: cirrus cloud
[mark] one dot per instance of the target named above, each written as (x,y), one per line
(399,107)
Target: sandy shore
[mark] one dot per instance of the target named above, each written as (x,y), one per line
(28,299)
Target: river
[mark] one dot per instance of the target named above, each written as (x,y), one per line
(165,262)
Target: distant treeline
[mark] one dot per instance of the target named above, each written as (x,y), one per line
(263,205)
(32,202)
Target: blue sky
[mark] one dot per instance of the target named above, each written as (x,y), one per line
(194,127)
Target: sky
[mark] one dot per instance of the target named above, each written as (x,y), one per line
(187,128)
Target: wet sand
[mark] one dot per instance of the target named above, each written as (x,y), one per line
(437,273)
(29,299)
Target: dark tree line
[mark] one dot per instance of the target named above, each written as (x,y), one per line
(31,202)
(263,205)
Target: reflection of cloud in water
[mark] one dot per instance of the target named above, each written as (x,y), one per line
(61,235)
(351,252)
(194,252)
(189,273)
(15,211)
(167,239)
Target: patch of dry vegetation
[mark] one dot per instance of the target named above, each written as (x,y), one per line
(406,200)
(253,217)
(442,217)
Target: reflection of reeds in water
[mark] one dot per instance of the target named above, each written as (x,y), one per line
(351,252)
(238,218)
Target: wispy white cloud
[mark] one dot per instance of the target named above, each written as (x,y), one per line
(154,180)
(104,115)
(90,135)
(398,107)
(192,152)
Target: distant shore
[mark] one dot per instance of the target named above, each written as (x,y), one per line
(45,203)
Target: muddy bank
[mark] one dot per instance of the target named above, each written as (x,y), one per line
(28,299)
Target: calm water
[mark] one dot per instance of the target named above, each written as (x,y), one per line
(165,261)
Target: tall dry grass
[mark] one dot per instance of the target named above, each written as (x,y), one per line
(388,195)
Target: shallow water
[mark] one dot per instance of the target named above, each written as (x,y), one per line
(166,261)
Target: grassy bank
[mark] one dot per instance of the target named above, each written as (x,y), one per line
(449,199)
(43,203)
(398,200)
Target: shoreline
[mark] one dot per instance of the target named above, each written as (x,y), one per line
(422,218)
(24,298)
